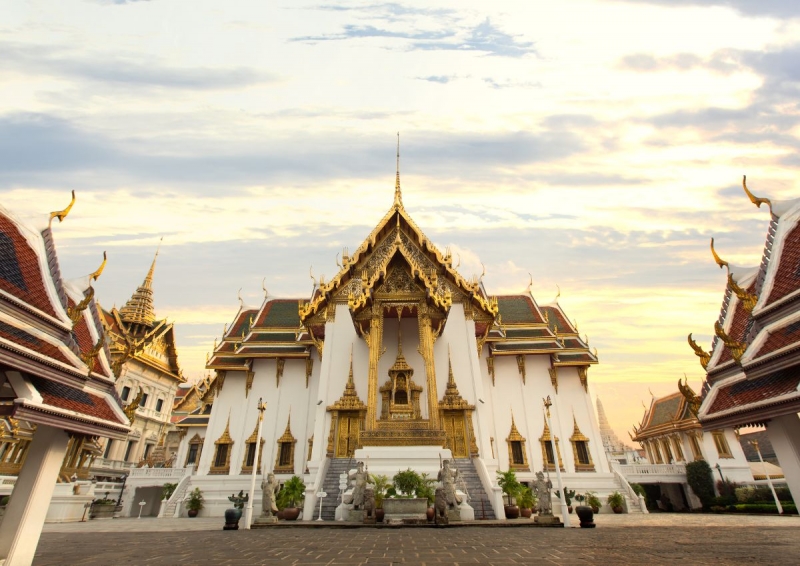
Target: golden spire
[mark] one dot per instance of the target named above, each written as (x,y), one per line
(139,308)
(398,195)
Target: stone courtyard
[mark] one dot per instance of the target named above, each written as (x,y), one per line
(618,539)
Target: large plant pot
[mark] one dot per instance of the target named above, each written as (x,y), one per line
(618,509)
(512,511)
(379,514)
(192,513)
(526,512)
(430,513)
(586,515)
(232,517)
(291,513)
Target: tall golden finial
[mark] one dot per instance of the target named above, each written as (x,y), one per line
(62,214)
(753,198)
(721,262)
(398,195)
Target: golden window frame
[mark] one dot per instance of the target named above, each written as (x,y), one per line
(252,440)
(515,436)
(543,441)
(226,440)
(287,438)
(578,436)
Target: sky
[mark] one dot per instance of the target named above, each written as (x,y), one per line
(595,145)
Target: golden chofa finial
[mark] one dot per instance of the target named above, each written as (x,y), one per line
(753,198)
(721,262)
(62,214)
(96,274)
(398,195)
(264,287)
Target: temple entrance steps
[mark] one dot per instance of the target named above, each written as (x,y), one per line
(173,505)
(479,501)
(331,485)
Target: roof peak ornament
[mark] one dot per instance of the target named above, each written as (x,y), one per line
(139,308)
(753,198)
(704,356)
(61,214)
(719,261)
(398,195)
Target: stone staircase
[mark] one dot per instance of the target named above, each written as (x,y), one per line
(331,485)
(479,501)
(172,509)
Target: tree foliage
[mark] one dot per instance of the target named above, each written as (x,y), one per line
(700,479)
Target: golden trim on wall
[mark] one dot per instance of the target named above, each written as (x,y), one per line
(252,440)
(223,443)
(287,467)
(248,382)
(578,436)
(583,374)
(521,366)
(279,363)
(309,369)
(544,441)
(513,437)
(490,366)
(553,371)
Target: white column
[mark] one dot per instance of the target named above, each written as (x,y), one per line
(784,434)
(27,509)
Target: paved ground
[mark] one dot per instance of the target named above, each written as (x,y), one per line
(618,539)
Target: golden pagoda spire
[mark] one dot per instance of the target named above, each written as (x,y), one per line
(139,308)
(398,195)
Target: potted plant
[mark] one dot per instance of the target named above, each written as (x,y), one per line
(292,493)
(407,482)
(616,502)
(194,503)
(507,481)
(102,508)
(408,495)
(382,485)
(526,500)
(426,490)
(568,495)
(593,501)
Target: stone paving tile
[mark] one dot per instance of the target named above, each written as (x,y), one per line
(751,542)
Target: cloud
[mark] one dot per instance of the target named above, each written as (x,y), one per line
(510,83)
(772,8)
(115,70)
(441,79)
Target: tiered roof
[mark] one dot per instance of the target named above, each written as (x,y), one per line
(52,345)
(752,371)
(666,415)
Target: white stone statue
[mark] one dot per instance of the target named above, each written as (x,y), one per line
(269,489)
(542,487)
(449,477)
(359,478)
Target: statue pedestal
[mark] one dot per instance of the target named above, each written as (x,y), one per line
(467,513)
(546,520)
(263,520)
(354,515)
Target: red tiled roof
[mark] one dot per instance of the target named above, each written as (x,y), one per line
(31,342)
(744,392)
(787,277)
(20,274)
(84,339)
(71,399)
(780,338)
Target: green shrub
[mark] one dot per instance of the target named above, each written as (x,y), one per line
(292,493)
(407,482)
(167,490)
(507,481)
(700,479)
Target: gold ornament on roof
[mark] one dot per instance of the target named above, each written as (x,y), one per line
(704,356)
(97,273)
(130,408)
(62,214)
(688,393)
(737,348)
(749,300)
(754,199)
(719,261)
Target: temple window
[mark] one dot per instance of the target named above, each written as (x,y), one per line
(667,451)
(284,464)
(721,443)
(221,463)
(147,448)
(159,405)
(195,448)
(143,402)
(695,445)
(517,455)
(250,452)
(128,450)
(548,457)
(676,442)
(580,449)
(657,450)
(108,448)
(126,391)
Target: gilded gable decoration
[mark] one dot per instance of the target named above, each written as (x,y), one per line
(221,463)
(521,366)
(547,450)
(580,449)
(553,371)
(737,348)
(704,356)
(583,374)
(248,381)
(347,420)
(456,418)
(517,454)
(130,408)
(284,462)
(309,369)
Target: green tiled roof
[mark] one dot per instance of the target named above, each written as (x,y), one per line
(282,313)
(515,309)
(501,346)
(526,333)
(664,410)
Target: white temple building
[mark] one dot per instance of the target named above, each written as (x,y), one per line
(400,361)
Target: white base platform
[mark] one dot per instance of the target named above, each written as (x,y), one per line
(388,460)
